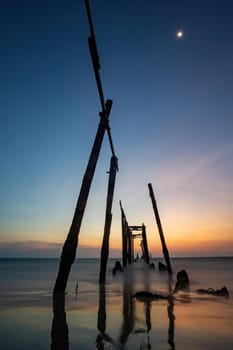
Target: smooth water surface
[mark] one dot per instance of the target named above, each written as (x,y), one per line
(108,317)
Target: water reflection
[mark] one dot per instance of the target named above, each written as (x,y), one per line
(60,331)
(129,331)
(171,315)
(146,344)
(103,340)
(171,327)
(127,312)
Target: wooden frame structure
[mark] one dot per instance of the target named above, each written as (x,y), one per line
(128,237)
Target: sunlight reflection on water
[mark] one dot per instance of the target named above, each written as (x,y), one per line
(110,318)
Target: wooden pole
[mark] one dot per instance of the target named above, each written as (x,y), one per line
(132,247)
(96,67)
(164,247)
(124,237)
(129,254)
(108,219)
(145,245)
(70,245)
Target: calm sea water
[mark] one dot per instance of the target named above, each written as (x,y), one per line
(109,317)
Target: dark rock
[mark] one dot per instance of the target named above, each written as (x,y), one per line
(117,268)
(182,281)
(219,292)
(162,267)
(144,295)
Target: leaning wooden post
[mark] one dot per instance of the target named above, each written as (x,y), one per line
(145,245)
(108,219)
(130,238)
(124,237)
(164,247)
(70,245)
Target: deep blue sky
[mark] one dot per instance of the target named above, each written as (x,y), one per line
(171,121)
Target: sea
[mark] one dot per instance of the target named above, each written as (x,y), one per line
(108,316)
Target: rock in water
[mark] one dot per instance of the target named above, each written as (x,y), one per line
(144,295)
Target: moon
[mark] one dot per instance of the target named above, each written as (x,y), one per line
(179,34)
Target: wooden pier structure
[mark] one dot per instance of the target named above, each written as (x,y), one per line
(128,236)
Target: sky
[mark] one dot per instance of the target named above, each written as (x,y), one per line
(171,123)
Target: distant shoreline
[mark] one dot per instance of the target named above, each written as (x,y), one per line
(118,258)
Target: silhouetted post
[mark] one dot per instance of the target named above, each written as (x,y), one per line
(164,247)
(130,238)
(145,245)
(70,245)
(124,237)
(132,247)
(108,219)
(142,248)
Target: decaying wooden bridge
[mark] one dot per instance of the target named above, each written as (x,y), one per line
(128,236)
(128,232)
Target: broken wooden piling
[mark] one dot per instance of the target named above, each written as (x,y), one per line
(130,246)
(70,245)
(108,219)
(124,227)
(160,229)
(145,245)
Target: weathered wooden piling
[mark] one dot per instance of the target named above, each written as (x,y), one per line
(108,219)
(145,245)
(160,229)
(124,226)
(130,245)
(70,245)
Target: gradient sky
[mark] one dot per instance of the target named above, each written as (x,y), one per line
(171,123)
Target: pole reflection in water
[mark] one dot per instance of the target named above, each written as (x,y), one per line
(128,313)
(103,340)
(171,328)
(60,331)
(171,316)
(145,344)
(101,320)
(129,332)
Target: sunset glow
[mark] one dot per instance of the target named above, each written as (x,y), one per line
(171,124)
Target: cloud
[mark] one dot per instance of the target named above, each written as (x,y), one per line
(44,249)
(193,165)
